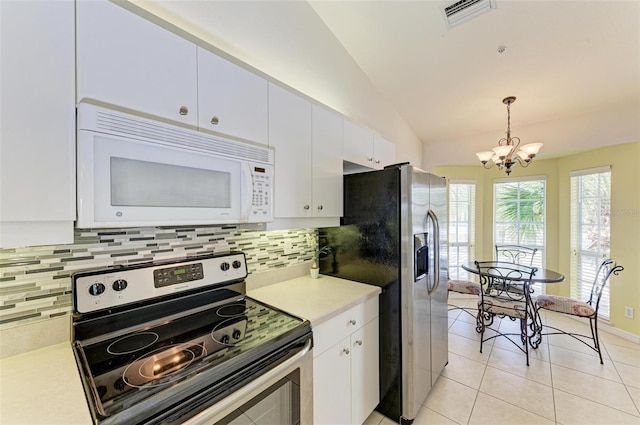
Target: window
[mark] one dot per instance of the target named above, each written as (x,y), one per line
(519,208)
(590,226)
(462,211)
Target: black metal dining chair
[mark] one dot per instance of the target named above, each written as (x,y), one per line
(587,309)
(465,287)
(495,300)
(516,254)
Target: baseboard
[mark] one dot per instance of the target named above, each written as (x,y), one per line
(619,332)
(611,329)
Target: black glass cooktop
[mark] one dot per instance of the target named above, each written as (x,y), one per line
(173,354)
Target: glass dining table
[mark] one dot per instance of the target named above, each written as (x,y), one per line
(541,276)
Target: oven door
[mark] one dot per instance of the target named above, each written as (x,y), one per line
(283,396)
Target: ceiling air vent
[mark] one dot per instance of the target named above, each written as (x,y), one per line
(463,10)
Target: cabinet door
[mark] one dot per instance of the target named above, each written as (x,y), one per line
(384,152)
(331,386)
(358,144)
(37,135)
(290,135)
(125,60)
(231,100)
(327,162)
(365,374)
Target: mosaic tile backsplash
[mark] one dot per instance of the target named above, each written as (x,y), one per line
(35,283)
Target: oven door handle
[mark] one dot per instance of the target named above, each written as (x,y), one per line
(227,405)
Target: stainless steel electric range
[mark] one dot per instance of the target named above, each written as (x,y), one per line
(177,341)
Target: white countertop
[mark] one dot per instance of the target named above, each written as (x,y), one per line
(316,300)
(43,386)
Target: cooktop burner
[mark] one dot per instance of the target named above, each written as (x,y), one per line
(162,346)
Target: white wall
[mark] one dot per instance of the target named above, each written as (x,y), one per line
(288,41)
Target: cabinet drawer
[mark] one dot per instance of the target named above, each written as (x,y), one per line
(333,330)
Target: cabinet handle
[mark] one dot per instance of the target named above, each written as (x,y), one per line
(353,322)
(346,351)
(184,110)
(359,342)
(320,207)
(370,159)
(215,120)
(377,161)
(306,207)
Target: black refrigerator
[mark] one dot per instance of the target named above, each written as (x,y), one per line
(394,235)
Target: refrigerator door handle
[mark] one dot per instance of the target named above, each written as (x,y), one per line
(436,250)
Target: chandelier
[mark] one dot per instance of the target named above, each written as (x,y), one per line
(507,154)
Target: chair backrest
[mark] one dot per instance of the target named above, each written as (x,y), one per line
(496,278)
(605,270)
(516,254)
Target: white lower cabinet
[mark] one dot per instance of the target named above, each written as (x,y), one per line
(365,381)
(345,366)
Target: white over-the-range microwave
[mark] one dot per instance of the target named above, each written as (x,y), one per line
(134,171)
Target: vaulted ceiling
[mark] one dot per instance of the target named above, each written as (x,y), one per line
(570,64)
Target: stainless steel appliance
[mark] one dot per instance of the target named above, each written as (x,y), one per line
(134,171)
(180,342)
(394,235)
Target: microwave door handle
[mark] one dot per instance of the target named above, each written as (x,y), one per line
(246,191)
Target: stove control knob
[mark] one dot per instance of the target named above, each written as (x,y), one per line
(119,384)
(237,264)
(119,285)
(236,334)
(96,289)
(224,266)
(102,391)
(224,339)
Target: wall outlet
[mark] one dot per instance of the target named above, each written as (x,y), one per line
(628,312)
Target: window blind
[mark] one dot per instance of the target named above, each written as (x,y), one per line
(462,213)
(590,231)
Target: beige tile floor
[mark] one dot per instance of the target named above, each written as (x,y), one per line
(564,384)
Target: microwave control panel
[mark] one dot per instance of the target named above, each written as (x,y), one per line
(262,198)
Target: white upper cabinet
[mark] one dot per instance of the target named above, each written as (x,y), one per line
(37,135)
(358,144)
(231,100)
(308,157)
(365,148)
(125,60)
(290,135)
(384,152)
(327,128)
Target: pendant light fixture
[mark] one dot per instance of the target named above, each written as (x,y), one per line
(507,154)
